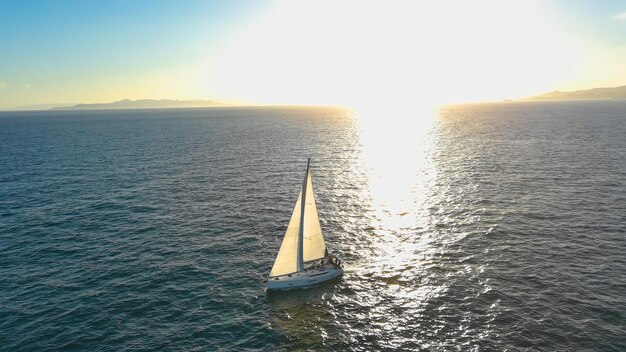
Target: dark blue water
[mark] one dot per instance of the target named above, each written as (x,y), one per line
(494,227)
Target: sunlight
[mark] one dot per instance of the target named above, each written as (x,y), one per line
(401,51)
(397,147)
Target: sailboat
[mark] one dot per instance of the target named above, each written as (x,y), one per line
(303,259)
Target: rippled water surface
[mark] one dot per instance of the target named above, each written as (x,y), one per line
(494,227)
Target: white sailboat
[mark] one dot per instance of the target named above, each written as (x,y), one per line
(303,260)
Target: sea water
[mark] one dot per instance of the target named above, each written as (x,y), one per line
(488,227)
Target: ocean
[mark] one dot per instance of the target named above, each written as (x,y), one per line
(485,227)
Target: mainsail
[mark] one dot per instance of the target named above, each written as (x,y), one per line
(288,260)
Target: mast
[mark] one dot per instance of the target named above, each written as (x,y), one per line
(300,256)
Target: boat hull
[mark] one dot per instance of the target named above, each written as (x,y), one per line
(303,279)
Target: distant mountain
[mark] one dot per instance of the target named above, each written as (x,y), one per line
(595,93)
(38,107)
(143,104)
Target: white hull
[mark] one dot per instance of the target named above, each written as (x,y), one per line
(303,279)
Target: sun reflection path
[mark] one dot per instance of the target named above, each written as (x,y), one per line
(397,154)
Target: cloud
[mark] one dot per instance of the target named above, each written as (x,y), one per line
(620,16)
(3,85)
(26,85)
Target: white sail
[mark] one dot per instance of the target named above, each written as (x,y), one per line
(287,259)
(313,240)
(314,247)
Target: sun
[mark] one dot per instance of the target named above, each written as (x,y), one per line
(369,53)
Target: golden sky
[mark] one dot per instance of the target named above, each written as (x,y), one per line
(311,52)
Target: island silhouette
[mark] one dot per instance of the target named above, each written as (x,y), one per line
(587,94)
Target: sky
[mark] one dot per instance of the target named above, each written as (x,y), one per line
(306,52)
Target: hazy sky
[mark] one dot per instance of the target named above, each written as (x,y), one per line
(308,52)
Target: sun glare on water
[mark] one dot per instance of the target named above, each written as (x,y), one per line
(397,154)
